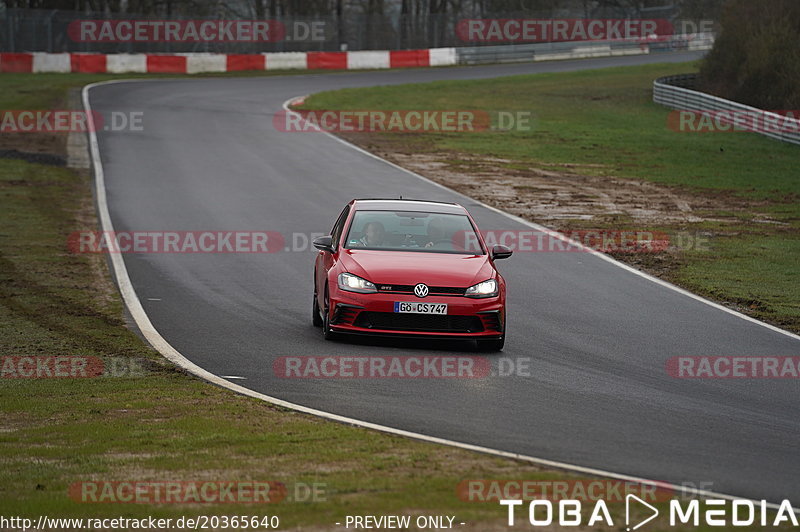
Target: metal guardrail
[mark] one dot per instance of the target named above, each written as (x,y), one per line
(677,92)
(472,55)
(511,53)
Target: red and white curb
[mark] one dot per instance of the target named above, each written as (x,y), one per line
(194,63)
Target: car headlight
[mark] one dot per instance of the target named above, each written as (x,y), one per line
(353,283)
(485,289)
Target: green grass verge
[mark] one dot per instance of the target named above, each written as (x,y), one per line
(604,123)
(592,117)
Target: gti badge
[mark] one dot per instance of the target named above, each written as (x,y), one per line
(421,290)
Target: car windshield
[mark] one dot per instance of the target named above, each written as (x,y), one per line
(413,231)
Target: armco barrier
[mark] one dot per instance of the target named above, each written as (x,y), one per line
(16,62)
(242,62)
(121,63)
(192,63)
(196,64)
(368,59)
(43,62)
(166,64)
(87,63)
(285,61)
(677,92)
(409,58)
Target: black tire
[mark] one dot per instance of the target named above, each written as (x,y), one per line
(491,346)
(316,319)
(327,333)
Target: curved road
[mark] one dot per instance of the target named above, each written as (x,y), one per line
(597,335)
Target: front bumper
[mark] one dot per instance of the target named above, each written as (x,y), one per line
(373,314)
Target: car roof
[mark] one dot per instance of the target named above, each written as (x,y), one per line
(413,205)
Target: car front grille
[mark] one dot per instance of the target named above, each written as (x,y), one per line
(393,321)
(432,290)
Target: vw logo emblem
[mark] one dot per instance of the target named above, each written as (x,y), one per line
(421,290)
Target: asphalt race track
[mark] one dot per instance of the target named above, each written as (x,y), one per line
(597,335)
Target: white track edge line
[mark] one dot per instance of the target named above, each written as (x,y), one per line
(548,231)
(173,355)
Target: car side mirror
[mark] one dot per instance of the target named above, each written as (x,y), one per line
(501,252)
(324,243)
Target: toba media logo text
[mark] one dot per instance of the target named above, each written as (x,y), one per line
(638,513)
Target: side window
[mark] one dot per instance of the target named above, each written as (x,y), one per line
(336,232)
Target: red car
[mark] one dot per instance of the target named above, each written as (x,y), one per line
(409,268)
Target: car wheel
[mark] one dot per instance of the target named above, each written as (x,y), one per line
(316,319)
(327,333)
(491,346)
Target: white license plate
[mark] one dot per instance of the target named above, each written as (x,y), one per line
(420,308)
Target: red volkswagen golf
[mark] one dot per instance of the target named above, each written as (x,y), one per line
(409,268)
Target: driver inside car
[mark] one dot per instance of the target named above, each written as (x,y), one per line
(436,233)
(374,235)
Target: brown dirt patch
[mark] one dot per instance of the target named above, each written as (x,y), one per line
(568,197)
(39,143)
(565,196)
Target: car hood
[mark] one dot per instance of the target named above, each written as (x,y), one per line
(412,267)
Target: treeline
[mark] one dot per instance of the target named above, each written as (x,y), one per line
(756,57)
(340,8)
(40,25)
